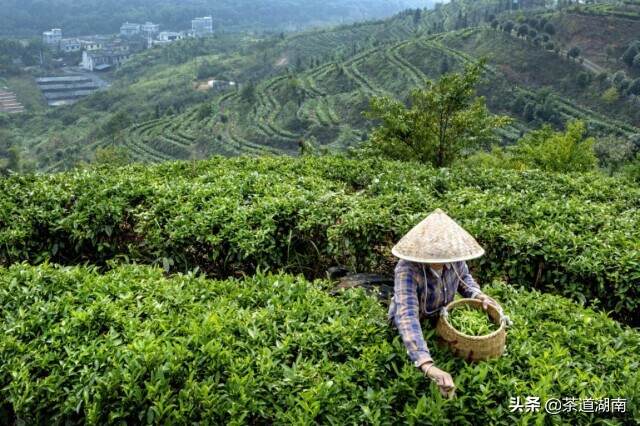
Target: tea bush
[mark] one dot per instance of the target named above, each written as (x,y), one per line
(577,235)
(132,346)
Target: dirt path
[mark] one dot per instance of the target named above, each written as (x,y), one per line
(587,64)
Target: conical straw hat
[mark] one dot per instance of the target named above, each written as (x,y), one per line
(437,239)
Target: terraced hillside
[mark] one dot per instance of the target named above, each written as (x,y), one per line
(326,102)
(315,85)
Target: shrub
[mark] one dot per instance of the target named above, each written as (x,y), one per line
(611,95)
(583,79)
(545,149)
(135,347)
(630,53)
(233,216)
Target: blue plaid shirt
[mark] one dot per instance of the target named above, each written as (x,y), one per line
(420,292)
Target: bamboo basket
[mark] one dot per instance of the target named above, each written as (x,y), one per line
(473,348)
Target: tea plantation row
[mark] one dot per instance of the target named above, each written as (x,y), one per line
(133,346)
(577,235)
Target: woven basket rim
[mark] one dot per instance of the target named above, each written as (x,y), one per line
(477,303)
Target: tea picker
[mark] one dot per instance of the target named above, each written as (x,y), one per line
(431,269)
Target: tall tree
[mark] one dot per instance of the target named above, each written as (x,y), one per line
(445,120)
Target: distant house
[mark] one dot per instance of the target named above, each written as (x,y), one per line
(129,29)
(101,60)
(70,45)
(202,26)
(149,29)
(166,37)
(52,37)
(220,84)
(91,45)
(62,90)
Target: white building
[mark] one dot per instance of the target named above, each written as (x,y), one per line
(91,45)
(52,37)
(102,59)
(129,29)
(149,28)
(69,45)
(202,26)
(166,37)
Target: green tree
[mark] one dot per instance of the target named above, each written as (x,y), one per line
(444,66)
(632,50)
(634,87)
(507,27)
(549,28)
(112,155)
(583,79)
(613,152)
(248,93)
(632,170)
(9,153)
(118,121)
(417,15)
(546,149)
(574,52)
(445,120)
(523,30)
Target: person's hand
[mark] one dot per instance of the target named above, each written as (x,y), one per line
(441,378)
(486,301)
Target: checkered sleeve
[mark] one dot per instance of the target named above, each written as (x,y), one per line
(467,286)
(407,316)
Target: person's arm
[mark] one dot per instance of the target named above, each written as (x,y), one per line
(407,316)
(469,288)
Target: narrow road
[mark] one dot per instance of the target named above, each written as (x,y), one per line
(587,64)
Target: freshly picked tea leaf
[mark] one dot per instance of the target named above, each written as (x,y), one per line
(471,321)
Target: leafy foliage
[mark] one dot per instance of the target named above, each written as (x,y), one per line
(572,234)
(444,120)
(133,346)
(471,321)
(545,149)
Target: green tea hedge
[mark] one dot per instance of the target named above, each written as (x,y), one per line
(577,235)
(136,347)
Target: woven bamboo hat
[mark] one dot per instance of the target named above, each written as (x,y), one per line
(437,239)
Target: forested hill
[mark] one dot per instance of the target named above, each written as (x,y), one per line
(315,85)
(31,17)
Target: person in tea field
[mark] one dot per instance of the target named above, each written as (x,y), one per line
(430,271)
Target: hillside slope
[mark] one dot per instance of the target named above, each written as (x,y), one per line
(316,85)
(82,17)
(326,102)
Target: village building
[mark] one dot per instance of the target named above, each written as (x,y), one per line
(101,60)
(220,84)
(70,45)
(52,37)
(129,29)
(166,37)
(149,29)
(91,45)
(202,26)
(67,89)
